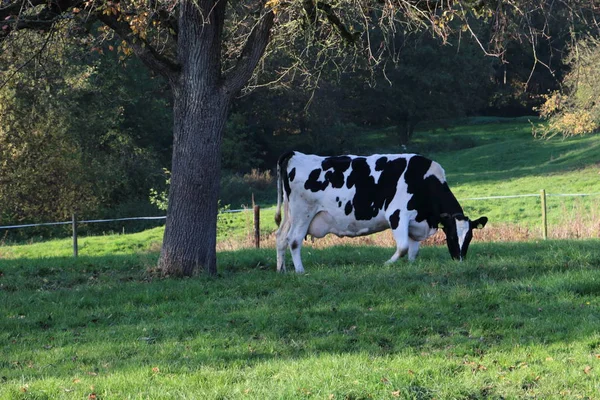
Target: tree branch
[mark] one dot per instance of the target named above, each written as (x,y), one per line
(149,56)
(37,54)
(16,15)
(310,6)
(251,54)
(13,17)
(337,23)
(165,15)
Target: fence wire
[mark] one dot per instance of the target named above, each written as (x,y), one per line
(92,221)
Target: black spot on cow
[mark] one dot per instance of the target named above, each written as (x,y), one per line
(337,199)
(388,181)
(424,190)
(294,245)
(283,162)
(313,183)
(348,208)
(380,163)
(335,167)
(292,174)
(395,219)
(371,196)
(417,168)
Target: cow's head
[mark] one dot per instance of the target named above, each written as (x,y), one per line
(459,232)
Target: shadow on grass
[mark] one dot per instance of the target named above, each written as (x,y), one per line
(82,314)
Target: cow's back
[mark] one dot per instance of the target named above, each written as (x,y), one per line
(361,188)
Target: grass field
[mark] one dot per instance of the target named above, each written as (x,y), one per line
(516,320)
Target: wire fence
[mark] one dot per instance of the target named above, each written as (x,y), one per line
(256,209)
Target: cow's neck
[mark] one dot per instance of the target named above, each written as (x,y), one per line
(448,203)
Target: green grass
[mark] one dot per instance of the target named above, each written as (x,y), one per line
(488,157)
(115,244)
(513,321)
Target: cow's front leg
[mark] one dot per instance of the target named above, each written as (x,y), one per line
(295,246)
(413,249)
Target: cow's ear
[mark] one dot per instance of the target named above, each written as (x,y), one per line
(479,223)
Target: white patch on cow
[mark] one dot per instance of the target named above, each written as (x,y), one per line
(420,231)
(371,162)
(462,229)
(436,170)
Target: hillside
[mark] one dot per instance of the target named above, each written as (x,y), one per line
(500,157)
(482,157)
(486,157)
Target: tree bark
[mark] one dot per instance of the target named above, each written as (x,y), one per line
(202,96)
(189,243)
(200,109)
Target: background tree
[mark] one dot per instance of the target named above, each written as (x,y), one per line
(69,123)
(575,109)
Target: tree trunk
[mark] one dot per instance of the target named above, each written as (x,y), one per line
(402,132)
(200,111)
(202,96)
(405,130)
(189,243)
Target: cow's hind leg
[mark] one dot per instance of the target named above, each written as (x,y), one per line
(295,246)
(281,247)
(413,249)
(297,234)
(400,234)
(282,243)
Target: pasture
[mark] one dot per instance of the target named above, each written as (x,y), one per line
(515,320)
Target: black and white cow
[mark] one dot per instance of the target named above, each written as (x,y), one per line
(355,196)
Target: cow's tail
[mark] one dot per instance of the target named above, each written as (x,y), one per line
(281,179)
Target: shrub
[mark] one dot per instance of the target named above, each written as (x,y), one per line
(574,110)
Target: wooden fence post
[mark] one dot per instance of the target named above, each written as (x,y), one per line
(257,226)
(544,215)
(74,222)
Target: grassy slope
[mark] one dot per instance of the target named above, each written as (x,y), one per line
(502,158)
(498,157)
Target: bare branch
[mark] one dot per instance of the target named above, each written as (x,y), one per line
(29,61)
(251,54)
(13,16)
(348,36)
